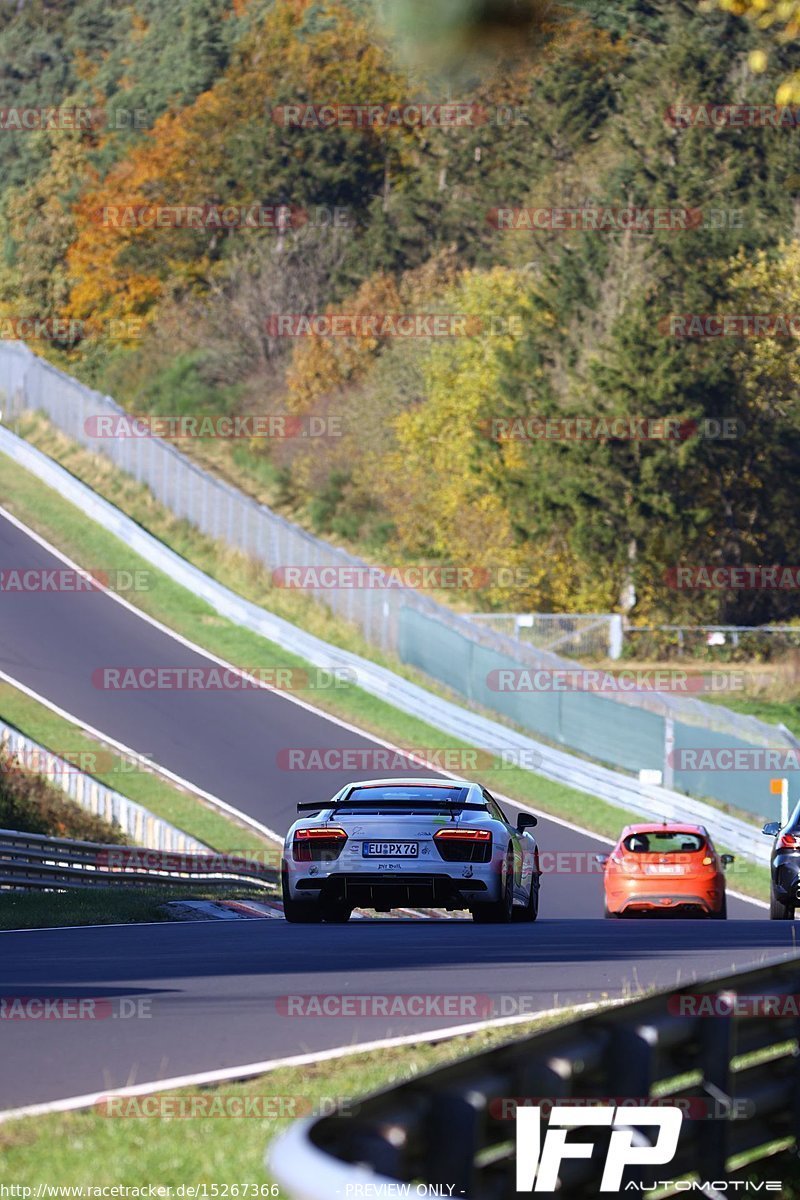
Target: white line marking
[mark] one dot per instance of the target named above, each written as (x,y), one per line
(225,1074)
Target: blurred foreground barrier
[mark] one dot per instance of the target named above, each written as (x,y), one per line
(724,1053)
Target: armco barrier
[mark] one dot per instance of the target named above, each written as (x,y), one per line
(32,860)
(452,1132)
(462,724)
(628,731)
(133,819)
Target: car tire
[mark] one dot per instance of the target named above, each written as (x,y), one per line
(609,915)
(299,912)
(531,910)
(498,912)
(778,911)
(722,914)
(337,913)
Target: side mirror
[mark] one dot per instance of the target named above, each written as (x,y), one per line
(726,859)
(602,859)
(772,828)
(526,821)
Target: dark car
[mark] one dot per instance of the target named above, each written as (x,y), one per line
(785,866)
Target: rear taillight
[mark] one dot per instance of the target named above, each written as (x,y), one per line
(789,841)
(318,845)
(464,845)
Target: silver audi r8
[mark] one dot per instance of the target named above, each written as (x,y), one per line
(394,843)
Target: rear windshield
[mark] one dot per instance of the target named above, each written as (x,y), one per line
(397,793)
(672,841)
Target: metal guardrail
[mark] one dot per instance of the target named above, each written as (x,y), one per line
(32,860)
(735,1076)
(465,725)
(135,821)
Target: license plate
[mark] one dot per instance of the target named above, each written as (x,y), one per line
(390,849)
(664,869)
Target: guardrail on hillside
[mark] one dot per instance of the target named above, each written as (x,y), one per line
(455,1128)
(631,731)
(135,821)
(32,860)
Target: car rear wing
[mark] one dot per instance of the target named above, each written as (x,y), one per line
(432,805)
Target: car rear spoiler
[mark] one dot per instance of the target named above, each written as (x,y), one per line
(436,805)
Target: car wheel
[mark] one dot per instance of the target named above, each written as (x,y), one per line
(778,911)
(337,913)
(531,910)
(299,912)
(608,914)
(498,912)
(722,915)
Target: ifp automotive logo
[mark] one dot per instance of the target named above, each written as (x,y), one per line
(539,1160)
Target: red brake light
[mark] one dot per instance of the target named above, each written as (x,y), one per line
(320,844)
(464,845)
(463,835)
(789,841)
(308,835)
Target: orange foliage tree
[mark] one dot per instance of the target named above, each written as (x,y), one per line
(227,150)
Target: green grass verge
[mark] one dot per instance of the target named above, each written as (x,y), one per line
(776,712)
(87,1146)
(93,548)
(748,877)
(104,906)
